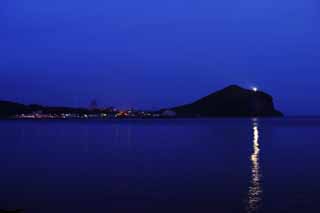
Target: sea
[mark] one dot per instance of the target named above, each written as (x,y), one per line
(165,165)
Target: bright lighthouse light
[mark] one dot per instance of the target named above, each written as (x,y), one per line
(255,89)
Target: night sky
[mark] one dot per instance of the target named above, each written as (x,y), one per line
(152,54)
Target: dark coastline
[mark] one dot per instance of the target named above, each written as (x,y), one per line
(230,102)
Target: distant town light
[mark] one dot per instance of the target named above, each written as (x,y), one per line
(255,89)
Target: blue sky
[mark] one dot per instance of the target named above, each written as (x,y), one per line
(152,54)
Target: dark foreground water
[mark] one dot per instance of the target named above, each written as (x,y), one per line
(218,165)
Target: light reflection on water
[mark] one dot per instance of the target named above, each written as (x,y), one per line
(160,166)
(255,189)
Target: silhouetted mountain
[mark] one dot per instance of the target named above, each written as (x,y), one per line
(8,109)
(232,101)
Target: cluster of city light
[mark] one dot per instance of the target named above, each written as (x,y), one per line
(98,115)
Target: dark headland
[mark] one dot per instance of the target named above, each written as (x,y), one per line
(232,101)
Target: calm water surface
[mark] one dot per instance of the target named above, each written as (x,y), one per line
(217,165)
